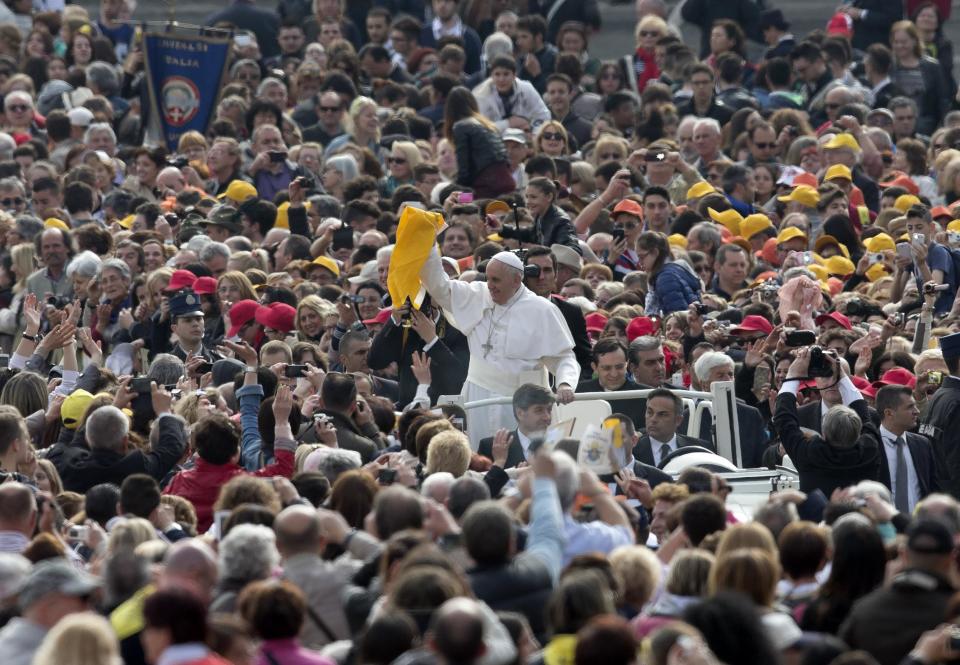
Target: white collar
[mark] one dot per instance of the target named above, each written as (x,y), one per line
(672,442)
(183,653)
(875,89)
(440,31)
(890,437)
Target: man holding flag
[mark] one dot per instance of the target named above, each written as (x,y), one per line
(515,336)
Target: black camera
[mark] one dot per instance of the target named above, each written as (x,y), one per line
(702,309)
(58,302)
(178,161)
(820,363)
(528,236)
(387,476)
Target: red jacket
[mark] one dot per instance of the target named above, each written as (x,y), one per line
(644,68)
(201,484)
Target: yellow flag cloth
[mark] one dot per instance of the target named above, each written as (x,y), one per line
(416,236)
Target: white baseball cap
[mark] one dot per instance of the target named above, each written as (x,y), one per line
(80,116)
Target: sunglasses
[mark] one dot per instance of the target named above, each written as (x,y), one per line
(18,108)
(765,146)
(329,109)
(649,33)
(396,160)
(7,203)
(552,136)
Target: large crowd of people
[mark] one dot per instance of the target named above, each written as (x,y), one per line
(229,425)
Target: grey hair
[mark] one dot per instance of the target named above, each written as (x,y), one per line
(499,43)
(337,462)
(841,426)
(708,122)
(385,252)
(119,265)
(166,369)
(104,77)
(465,491)
(245,62)
(106,428)
(567,479)
(28,226)
(268,81)
(197,243)
(942,507)
(345,164)
(7,146)
(900,102)
(866,487)
(12,183)
(708,362)
(706,233)
(99,127)
(214,249)
(436,480)
(85,264)
(645,343)
(249,552)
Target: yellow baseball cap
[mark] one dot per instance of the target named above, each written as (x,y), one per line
(74,406)
(239,191)
(838,171)
(729,218)
(839,265)
(789,233)
(127,222)
(820,271)
(754,224)
(54,223)
(904,201)
(328,263)
(843,140)
(954,226)
(827,240)
(677,240)
(881,242)
(700,190)
(875,272)
(802,194)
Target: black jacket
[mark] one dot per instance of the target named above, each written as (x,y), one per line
(821,465)
(449,358)
(573,315)
(477,148)
(555,228)
(523,585)
(923,463)
(869,187)
(636,409)
(351,437)
(881,100)
(941,424)
(753,434)
(644,453)
(578,130)
(875,28)
(810,417)
(514,452)
(647,472)
(887,622)
(717,110)
(81,468)
(935,101)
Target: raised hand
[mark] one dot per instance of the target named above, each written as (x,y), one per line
(421,368)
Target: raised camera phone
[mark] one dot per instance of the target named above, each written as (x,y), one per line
(904,251)
(918,238)
(820,364)
(77,533)
(204,367)
(465,197)
(935,378)
(343,238)
(140,385)
(617,233)
(387,476)
(295,371)
(277,156)
(796,338)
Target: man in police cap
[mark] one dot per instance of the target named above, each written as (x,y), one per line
(187,324)
(943,418)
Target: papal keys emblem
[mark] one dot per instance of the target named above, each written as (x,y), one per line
(180,100)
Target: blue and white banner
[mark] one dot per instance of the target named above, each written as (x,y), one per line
(184,77)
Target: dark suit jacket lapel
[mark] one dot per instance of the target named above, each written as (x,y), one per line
(642,451)
(515,454)
(921,462)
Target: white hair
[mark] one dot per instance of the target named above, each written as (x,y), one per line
(106,428)
(7,146)
(18,95)
(385,252)
(499,43)
(710,361)
(707,122)
(441,480)
(99,127)
(249,552)
(197,243)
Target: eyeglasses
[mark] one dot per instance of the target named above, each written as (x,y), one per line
(9,203)
(18,108)
(649,33)
(552,136)
(765,146)
(832,106)
(396,160)
(329,109)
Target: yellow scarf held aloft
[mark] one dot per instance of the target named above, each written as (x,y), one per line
(416,235)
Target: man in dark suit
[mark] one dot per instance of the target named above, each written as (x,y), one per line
(907,463)
(663,417)
(811,414)
(877,63)
(544,286)
(848,450)
(715,366)
(610,366)
(533,409)
(354,351)
(429,333)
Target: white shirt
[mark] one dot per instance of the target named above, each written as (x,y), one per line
(656,445)
(524,443)
(890,450)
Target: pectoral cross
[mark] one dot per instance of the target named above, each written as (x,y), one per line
(487,347)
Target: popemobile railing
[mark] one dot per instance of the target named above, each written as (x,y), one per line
(720,402)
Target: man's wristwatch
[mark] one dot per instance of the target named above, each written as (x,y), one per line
(250,368)
(33,338)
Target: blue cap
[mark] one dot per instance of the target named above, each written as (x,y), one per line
(950,345)
(185,303)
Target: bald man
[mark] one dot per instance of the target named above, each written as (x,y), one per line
(514,336)
(456,631)
(18,517)
(300,541)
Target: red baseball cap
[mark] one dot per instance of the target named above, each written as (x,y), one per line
(840,24)
(380,318)
(242,312)
(181,279)
(630,207)
(753,323)
(805,179)
(836,317)
(277,316)
(641,326)
(898,376)
(596,322)
(940,211)
(865,387)
(905,181)
(205,286)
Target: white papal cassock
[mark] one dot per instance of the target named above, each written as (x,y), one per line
(510,344)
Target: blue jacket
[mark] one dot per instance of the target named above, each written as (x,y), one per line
(675,287)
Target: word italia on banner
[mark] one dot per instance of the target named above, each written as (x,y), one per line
(184,76)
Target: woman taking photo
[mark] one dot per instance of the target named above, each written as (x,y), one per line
(673,284)
(550,222)
(920,77)
(482,161)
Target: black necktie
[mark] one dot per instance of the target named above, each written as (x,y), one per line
(901,496)
(664,451)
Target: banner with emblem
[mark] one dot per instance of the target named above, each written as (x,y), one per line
(184,75)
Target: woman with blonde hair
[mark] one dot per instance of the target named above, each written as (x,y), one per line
(609,148)
(47,477)
(747,535)
(643,62)
(193,145)
(233,286)
(404,157)
(552,140)
(84,638)
(362,128)
(129,533)
(22,264)
(311,320)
